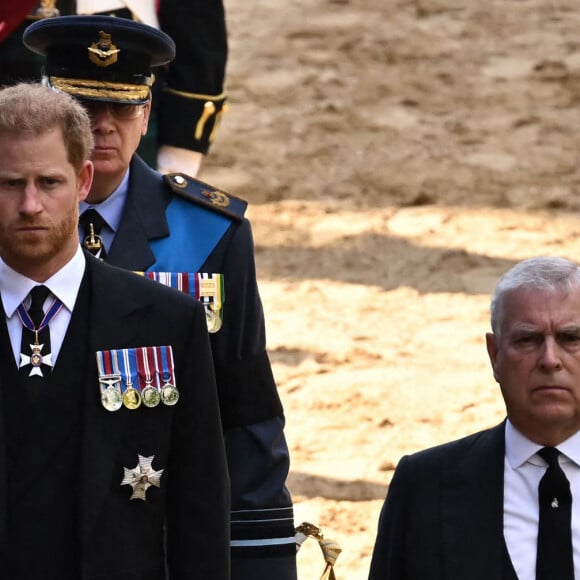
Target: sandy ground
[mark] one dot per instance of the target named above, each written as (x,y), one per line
(399,156)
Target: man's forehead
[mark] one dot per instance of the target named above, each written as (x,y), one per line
(539,308)
(550,296)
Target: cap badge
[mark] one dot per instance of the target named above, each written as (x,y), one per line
(216,198)
(103,53)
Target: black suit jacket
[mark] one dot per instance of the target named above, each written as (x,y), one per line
(443,516)
(123,539)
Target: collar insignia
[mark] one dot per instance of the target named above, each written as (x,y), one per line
(217,198)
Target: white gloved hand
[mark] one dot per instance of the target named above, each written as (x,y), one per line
(177,160)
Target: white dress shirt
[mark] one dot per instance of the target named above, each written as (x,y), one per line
(65,284)
(523,469)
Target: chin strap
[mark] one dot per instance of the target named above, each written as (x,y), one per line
(330,548)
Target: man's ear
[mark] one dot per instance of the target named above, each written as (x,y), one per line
(85,179)
(492,350)
(146,115)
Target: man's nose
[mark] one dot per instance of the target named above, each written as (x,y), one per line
(30,201)
(550,355)
(101,118)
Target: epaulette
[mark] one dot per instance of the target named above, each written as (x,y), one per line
(206,195)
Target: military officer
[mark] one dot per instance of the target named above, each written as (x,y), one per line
(189,95)
(140,220)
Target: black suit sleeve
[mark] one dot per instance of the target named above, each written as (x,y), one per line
(262,524)
(192,101)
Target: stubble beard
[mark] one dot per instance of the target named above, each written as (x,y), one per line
(22,251)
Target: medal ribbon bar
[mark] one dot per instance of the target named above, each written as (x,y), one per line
(207,288)
(131,376)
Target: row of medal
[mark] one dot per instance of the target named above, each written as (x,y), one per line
(207,288)
(131,376)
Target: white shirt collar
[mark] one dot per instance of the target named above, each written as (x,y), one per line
(64,284)
(519,449)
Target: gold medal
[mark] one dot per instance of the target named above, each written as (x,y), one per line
(131,398)
(111,398)
(150,396)
(169,394)
(213,319)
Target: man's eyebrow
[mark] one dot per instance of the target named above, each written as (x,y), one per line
(574,328)
(525,329)
(568,329)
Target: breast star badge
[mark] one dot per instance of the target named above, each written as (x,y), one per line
(142,477)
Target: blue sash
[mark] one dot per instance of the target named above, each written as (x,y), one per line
(195,232)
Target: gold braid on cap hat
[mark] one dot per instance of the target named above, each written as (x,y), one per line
(102,89)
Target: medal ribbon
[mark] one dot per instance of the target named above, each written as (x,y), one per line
(220,291)
(129,364)
(143,370)
(211,290)
(115,362)
(107,363)
(204,295)
(156,374)
(101,364)
(185,282)
(166,353)
(54,309)
(207,288)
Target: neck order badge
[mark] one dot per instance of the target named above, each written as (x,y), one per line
(36,334)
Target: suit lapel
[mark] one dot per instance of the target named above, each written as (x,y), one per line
(143,220)
(472,508)
(113,324)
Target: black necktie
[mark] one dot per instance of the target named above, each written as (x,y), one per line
(92,224)
(554,557)
(33,348)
